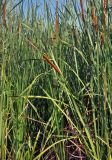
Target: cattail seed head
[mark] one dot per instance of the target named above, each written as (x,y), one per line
(94,19)
(4,13)
(82,10)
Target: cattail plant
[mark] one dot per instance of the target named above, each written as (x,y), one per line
(65,114)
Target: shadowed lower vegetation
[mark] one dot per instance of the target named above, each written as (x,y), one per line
(56,80)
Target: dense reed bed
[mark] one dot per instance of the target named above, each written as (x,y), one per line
(56,80)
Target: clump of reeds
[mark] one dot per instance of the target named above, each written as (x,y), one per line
(65,114)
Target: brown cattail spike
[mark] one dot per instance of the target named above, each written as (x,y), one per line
(45,57)
(82,10)
(4,13)
(94,18)
(95,23)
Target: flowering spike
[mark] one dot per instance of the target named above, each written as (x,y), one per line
(45,57)
(94,18)
(4,13)
(82,10)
